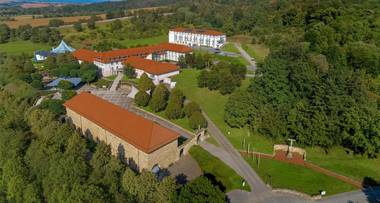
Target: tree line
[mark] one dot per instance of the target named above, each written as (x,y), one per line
(320,83)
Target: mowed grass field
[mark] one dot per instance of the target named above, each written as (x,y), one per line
(294,177)
(35,22)
(212,165)
(212,102)
(19,47)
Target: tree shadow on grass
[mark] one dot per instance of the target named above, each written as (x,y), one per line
(215,182)
(371,189)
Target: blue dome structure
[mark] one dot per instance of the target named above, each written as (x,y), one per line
(62,48)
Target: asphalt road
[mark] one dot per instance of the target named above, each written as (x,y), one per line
(247,57)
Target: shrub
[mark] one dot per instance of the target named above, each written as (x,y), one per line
(145,83)
(129,72)
(197,120)
(37,84)
(68,94)
(191,107)
(142,99)
(159,98)
(65,85)
(174,111)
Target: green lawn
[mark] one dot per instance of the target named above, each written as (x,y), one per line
(144,41)
(19,47)
(212,165)
(289,176)
(212,102)
(257,51)
(337,160)
(230,48)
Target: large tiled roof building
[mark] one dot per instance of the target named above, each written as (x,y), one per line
(142,143)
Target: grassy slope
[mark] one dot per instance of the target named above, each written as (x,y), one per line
(145,41)
(354,166)
(212,102)
(230,48)
(257,51)
(18,47)
(223,173)
(283,175)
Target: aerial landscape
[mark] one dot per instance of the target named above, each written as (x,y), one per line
(190,101)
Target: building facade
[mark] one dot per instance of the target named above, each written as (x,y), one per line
(159,72)
(197,37)
(111,62)
(141,143)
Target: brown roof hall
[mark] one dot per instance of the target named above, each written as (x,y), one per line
(143,143)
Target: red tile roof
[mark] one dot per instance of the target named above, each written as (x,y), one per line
(122,54)
(198,31)
(150,66)
(86,55)
(144,134)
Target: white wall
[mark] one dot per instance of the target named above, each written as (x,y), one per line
(157,79)
(194,39)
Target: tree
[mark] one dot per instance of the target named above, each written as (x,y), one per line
(239,109)
(159,98)
(68,94)
(129,71)
(4,33)
(91,22)
(191,107)
(145,83)
(200,190)
(116,25)
(174,111)
(142,99)
(78,26)
(65,85)
(56,22)
(197,120)
(227,83)
(54,105)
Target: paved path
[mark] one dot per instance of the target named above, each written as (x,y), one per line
(116,82)
(247,57)
(360,196)
(233,158)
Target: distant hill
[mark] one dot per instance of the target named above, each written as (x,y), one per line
(56,1)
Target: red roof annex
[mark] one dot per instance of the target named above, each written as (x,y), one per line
(149,66)
(198,31)
(122,54)
(144,134)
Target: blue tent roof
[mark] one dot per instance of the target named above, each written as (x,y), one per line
(62,48)
(74,81)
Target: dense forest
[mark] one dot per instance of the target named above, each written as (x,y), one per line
(43,159)
(321,83)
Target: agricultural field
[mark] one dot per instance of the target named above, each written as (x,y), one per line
(19,47)
(35,22)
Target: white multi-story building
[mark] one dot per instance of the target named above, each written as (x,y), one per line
(111,62)
(197,37)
